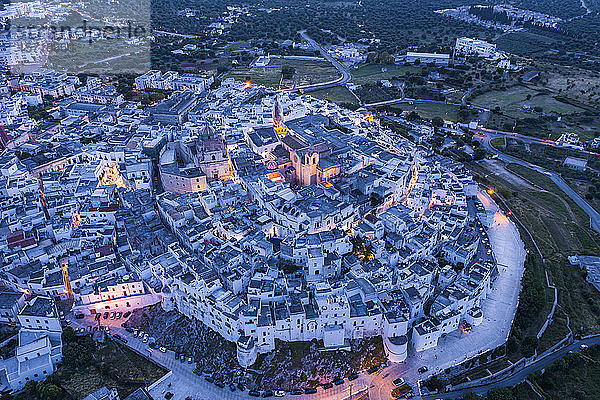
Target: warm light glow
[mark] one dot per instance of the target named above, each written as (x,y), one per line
(248,84)
(369,117)
(76,220)
(281,130)
(112,176)
(491,192)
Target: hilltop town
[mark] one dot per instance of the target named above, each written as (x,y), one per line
(265,215)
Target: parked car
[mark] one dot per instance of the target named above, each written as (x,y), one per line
(423,369)
(232,387)
(327,385)
(163,349)
(130,330)
(353,377)
(267,393)
(220,384)
(145,339)
(209,379)
(119,315)
(279,393)
(310,391)
(241,387)
(112,315)
(398,381)
(105,315)
(254,393)
(79,316)
(97,317)
(338,382)
(127,314)
(190,360)
(373,369)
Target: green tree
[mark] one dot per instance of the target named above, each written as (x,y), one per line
(437,122)
(31,387)
(529,345)
(288,71)
(500,394)
(50,392)
(479,154)
(413,116)
(69,335)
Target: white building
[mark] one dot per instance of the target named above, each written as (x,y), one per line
(39,348)
(468,46)
(427,58)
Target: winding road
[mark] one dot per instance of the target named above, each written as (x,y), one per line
(486,135)
(521,374)
(344,74)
